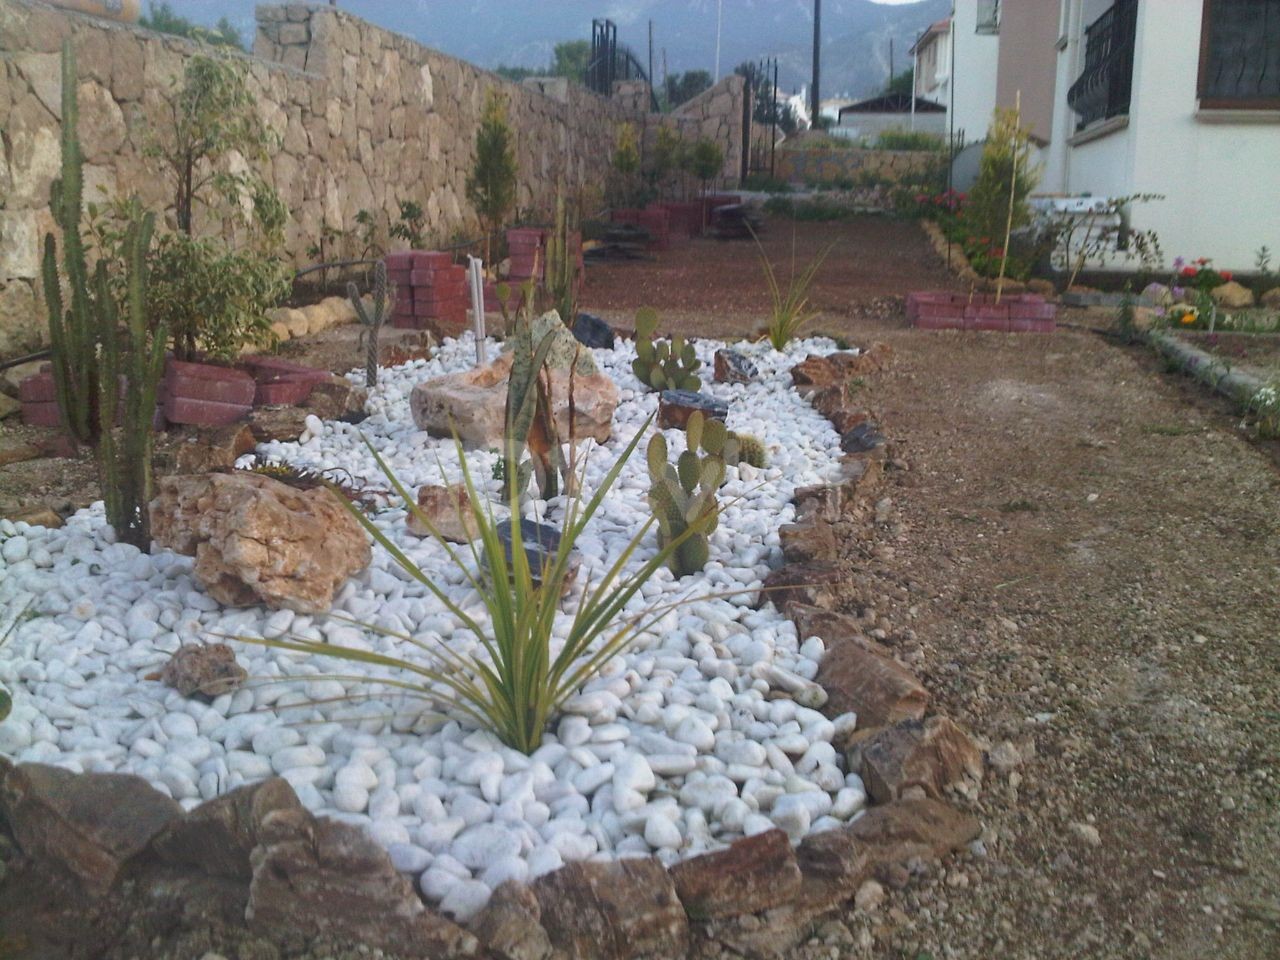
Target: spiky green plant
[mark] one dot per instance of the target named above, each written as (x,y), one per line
(665,365)
(562,264)
(373,319)
(789,309)
(515,683)
(106,342)
(683,497)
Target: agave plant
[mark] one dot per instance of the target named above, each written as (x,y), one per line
(514,683)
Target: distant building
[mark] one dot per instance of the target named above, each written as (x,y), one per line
(867,119)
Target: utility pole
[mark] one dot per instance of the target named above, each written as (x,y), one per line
(891,59)
(815,97)
(719,21)
(651,93)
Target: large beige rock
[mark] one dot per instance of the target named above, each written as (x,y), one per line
(1232,295)
(257,540)
(474,404)
(1271,299)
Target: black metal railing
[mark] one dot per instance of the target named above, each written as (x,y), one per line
(1105,85)
(1240,64)
(612,61)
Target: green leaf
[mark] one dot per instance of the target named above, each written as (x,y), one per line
(6,704)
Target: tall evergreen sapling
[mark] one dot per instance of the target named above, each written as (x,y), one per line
(491,186)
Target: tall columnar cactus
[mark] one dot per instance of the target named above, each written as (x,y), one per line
(72,328)
(108,356)
(372,319)
(665,365)
(683,497)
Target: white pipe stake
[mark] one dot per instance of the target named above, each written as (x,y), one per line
(475,271)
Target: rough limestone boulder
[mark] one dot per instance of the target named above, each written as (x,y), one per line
(473,403)
(1271,299)
(448,511)
(1232,296)
(257,540)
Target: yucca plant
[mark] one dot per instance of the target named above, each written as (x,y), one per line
(515,682)
(789,308)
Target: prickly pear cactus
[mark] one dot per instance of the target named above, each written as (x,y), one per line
(684,496)
(373,319)
(664,365)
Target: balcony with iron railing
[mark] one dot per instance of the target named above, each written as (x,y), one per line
(1105,85)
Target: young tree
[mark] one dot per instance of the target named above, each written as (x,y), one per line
(571,58)
(491,186)
(683,87)
(626,161)
(705,161)
(901,83)
(1006,178)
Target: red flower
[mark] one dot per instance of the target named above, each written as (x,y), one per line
(1225,275)
(1202,260)
(1189,271)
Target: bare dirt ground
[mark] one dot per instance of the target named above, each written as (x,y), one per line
(1084,558)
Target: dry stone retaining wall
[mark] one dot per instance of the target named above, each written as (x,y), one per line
(366,118)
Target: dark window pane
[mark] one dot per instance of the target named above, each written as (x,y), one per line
(1242,52)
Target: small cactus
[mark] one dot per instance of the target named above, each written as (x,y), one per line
(684,496)
(749,450)
(665,365)
(372,320)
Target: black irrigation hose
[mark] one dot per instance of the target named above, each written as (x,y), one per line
(38,355)
(336,264)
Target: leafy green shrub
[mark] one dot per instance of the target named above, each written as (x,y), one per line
(491,186)
(663,365)
(683,497)
(515,683)
(412,225)
(910,140)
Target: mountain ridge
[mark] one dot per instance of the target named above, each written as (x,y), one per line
(489,33)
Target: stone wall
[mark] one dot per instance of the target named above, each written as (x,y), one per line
(366,117)
(717,115)
(860,166)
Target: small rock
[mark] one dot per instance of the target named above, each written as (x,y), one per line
(448,510)
(733,367)
(1087,833)
(675,407)
(869,896)
(591,331)
(206,670)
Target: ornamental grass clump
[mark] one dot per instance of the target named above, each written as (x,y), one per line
(789,309)
(515,680)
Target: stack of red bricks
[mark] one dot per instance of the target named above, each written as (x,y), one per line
(685,218)
(1015,313)
(655,220)
(431,292)
(527,250)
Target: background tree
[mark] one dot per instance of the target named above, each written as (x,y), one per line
(491,186)
(683,87)
(162,18)
(901,83)
(705,161)
(571,59)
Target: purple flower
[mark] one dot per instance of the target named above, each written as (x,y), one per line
(1179,262)
(1178,292)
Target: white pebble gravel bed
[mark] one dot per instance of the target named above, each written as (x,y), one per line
(678,747)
